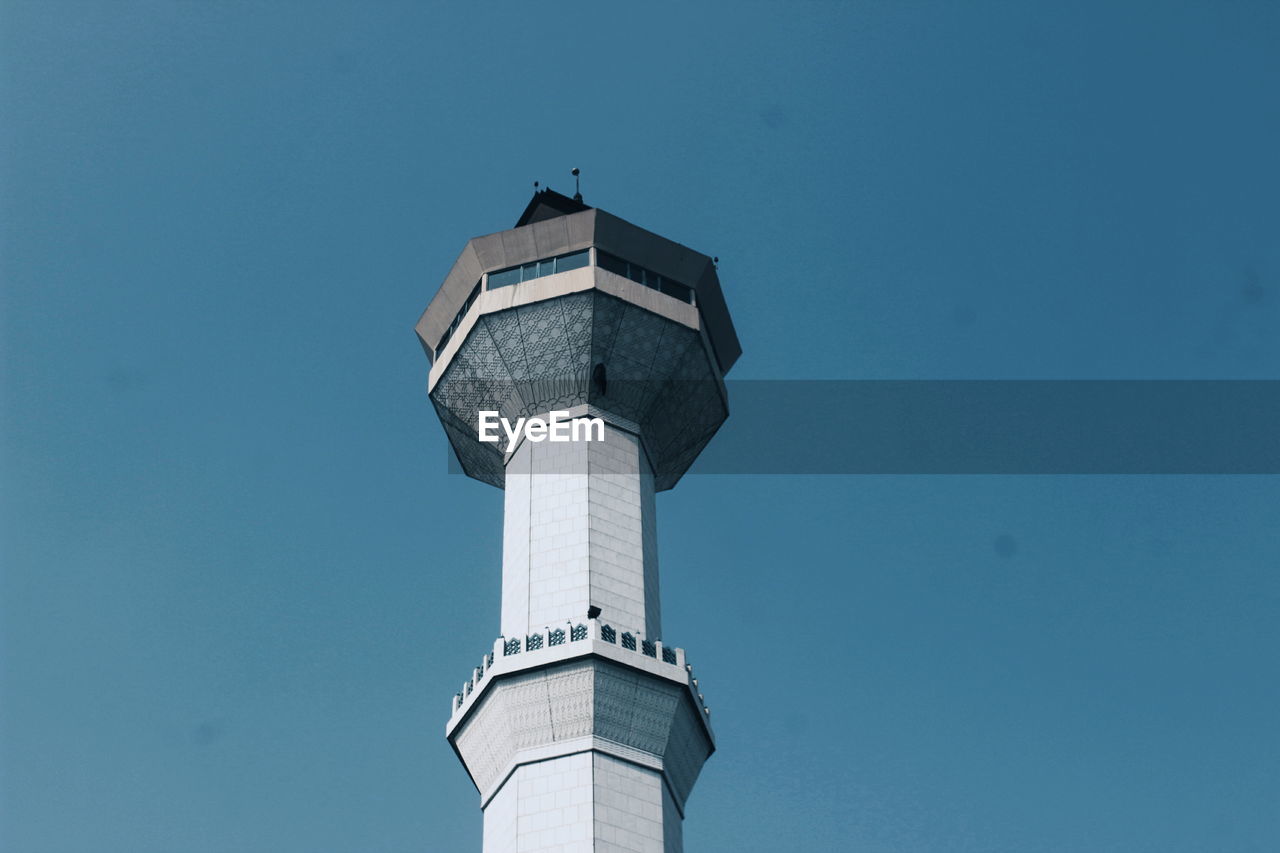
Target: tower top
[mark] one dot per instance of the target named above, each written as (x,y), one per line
(577,307)
(553,224)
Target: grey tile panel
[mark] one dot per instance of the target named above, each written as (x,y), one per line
(530,359)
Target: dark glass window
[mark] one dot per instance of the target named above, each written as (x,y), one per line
(648,278)
(572,261)
(579,259)
(679,291)
(504,278)
(612,264)
(457,318)
(537,269)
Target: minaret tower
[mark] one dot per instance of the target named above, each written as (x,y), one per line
(581,728)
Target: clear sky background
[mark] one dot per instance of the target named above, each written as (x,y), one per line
(238,588)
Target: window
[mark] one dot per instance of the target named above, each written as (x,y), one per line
(648,278)
(573,261)
(676,289)
(504,278)
(457,320)
(564,263)
(537,269)
(608,262)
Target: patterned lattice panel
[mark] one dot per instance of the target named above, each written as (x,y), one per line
(531,359)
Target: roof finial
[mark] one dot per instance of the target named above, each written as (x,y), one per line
(577,189)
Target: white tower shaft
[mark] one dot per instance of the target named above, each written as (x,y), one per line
(579,531)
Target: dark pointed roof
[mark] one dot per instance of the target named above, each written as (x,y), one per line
(548,204)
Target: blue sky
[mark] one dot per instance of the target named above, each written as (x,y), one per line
(238,587)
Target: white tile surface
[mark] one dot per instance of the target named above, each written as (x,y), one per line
(582,803)
(579,530)
(539,713)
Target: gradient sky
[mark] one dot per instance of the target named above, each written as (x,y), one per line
(238,588)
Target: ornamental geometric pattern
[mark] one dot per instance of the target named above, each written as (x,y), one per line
(528,360)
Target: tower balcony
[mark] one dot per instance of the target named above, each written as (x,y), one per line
(581,687)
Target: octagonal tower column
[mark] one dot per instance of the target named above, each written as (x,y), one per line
(579,531)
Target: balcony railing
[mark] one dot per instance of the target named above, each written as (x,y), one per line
(572,633)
